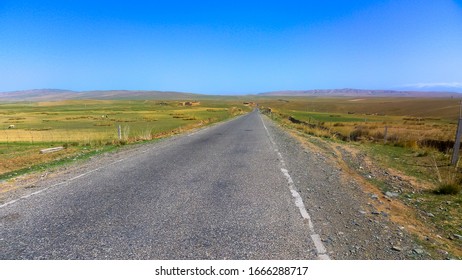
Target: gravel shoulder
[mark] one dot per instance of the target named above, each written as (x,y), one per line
(349,218)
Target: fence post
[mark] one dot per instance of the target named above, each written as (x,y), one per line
(455,152)
(119,132)
(385,134)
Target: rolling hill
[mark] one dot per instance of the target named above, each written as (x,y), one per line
(58,94)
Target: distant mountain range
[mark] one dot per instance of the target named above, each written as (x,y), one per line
(348,92)
(59,94)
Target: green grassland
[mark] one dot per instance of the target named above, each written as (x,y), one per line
(83,126)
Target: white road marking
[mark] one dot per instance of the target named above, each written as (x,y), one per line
(31,194)
(67,181)
(9,202)
(318,244)
(320,249)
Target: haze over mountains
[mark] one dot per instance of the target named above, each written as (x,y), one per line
(58,94)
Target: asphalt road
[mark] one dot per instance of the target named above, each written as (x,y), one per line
(219,193)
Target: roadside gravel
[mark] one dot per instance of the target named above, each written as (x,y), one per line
(342,212)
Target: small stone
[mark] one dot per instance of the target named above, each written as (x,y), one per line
(430,215)
(374,196)
(418,251)
(442,252)
(375,212)
(458,236)
(362,212)
(391,194)
(396,248)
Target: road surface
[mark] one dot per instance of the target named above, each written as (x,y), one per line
(224,192)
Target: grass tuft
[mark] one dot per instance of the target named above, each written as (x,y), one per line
(448,188)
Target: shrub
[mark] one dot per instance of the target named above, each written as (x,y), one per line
(448,188)
(392,137)
(423,153)
(358,133)
(378,135)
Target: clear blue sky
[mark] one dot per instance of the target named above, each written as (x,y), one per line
(234,46)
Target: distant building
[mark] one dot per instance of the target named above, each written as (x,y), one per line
(189,103)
